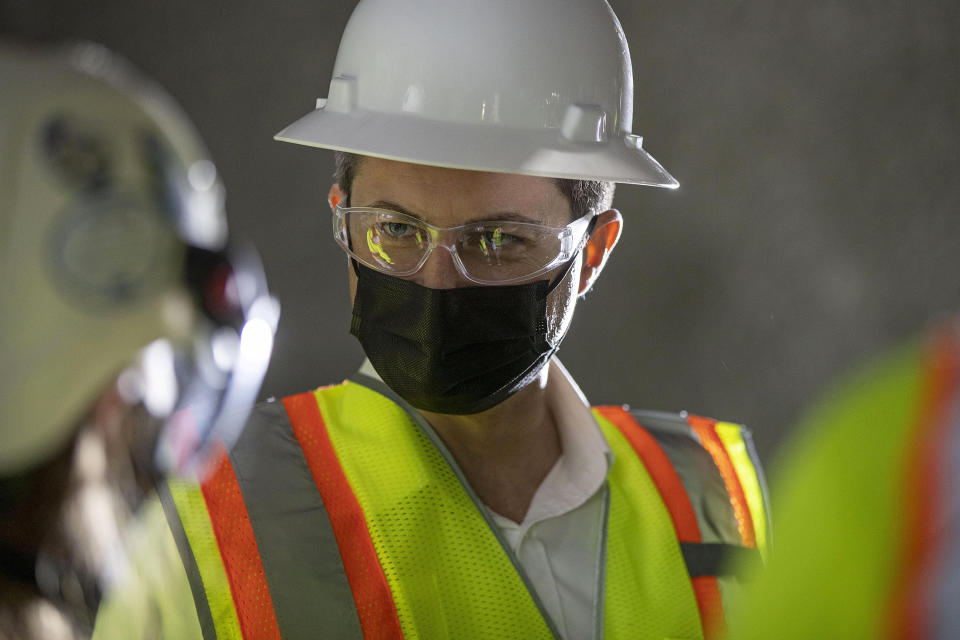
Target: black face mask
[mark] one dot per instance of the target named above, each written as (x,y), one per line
(454,351)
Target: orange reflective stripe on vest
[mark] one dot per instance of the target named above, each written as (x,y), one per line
(681,511)
(929,489)
(238,550)
(266,488)
(375,607)
(706,429)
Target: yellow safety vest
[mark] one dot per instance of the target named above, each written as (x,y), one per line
(868,529)
(341,514)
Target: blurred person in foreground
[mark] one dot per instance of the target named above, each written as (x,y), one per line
(460,485)
(133,339)
(868,507)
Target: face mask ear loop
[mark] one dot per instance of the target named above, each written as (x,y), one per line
(569,265)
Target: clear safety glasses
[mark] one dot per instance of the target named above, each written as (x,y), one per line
(485,252)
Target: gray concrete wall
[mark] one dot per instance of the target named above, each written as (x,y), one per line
(816,144)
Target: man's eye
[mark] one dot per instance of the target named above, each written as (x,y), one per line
(496,239)
(398,229)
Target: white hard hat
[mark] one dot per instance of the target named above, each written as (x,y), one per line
(113,254)
(535,87)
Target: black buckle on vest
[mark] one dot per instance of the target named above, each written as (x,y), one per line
(719,559)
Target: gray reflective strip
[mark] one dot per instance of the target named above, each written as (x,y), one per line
(301,560)
(699,474)
(380,387)
(188,560)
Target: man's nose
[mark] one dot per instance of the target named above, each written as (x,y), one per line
(440,271)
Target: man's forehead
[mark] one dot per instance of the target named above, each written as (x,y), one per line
(449,196)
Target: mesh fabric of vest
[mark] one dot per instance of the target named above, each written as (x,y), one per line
(838,519)
(198,529)
(448,573)
(648,590)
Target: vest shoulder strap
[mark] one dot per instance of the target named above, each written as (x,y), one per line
(252,576)
(635,447)
(704,471)
(721,473)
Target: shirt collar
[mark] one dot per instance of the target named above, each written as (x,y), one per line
(582,467)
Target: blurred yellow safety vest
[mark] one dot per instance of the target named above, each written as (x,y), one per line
(868,514)
(341,514)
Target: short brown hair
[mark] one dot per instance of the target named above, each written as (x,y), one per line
(585,196)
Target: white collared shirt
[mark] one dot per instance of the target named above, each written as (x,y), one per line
(559,541)
(558,544)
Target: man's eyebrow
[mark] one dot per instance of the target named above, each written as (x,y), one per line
(393,206)
(506,216)
(500,216)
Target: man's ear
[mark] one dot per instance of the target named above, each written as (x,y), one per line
(604,238)
(336,196)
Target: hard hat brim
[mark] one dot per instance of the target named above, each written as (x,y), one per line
(478,148)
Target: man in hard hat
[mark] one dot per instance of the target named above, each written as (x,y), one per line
(460,486)
(133,338)
(868,516)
